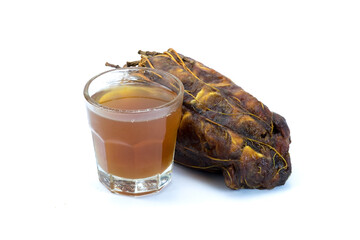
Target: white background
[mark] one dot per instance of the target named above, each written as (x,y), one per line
(301,58)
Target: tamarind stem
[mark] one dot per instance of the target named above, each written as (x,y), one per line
(112,65)
(148,53)
(128,64)
(132,64)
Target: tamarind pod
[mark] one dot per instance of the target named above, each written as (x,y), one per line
(225,129)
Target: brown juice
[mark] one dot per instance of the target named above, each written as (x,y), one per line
(135,147)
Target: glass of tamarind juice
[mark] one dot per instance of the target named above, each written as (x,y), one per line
(134,114)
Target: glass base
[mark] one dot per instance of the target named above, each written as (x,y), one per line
(135,187)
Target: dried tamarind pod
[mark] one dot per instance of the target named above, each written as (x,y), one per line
(224,128)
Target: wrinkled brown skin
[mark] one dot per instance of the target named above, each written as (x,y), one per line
(223,128)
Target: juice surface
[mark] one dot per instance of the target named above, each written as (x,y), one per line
(134,149)
(134,97)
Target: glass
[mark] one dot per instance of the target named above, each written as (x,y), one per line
(134,114)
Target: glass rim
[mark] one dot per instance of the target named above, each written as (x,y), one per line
(91,101)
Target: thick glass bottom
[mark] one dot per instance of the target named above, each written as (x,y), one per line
(135,187)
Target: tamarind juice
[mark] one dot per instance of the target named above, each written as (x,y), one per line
(138,147)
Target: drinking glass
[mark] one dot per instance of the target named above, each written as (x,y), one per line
(134,115)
